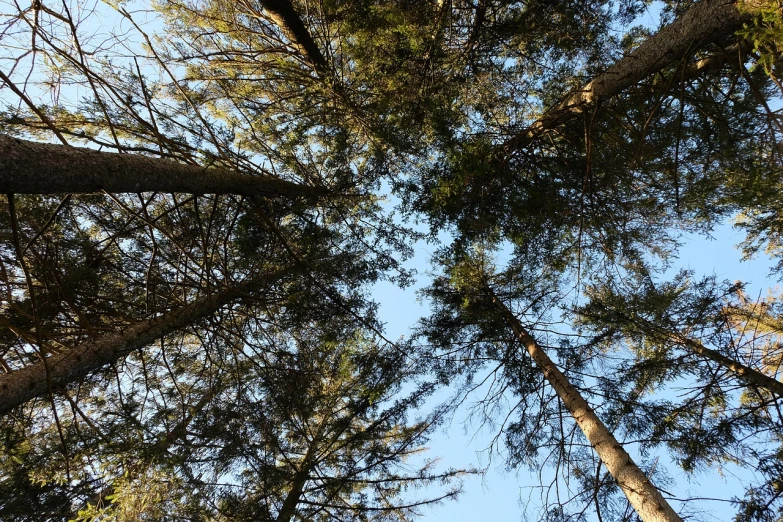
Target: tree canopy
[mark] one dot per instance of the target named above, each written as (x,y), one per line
(200,197)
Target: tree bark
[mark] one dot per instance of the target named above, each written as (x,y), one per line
(61,369)
(283,14)
(702,24)
(28,167)
(643,496)
(288,510)
(744,372)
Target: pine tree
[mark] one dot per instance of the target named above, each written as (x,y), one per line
(302,426)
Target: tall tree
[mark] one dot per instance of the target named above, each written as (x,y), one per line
(714,334)
(307,426)
(38,168)
(469,314)
(701,25)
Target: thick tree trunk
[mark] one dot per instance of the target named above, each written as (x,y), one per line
(28,167)
(61,369)
(643,496)
(702,24)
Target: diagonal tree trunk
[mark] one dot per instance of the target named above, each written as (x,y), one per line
(643,496)
(302,475)
(283,14)
(702,24)
(56,371)
(743,371)
(294,496)
(28,167)
(101,498)
(672,335)
(739,369)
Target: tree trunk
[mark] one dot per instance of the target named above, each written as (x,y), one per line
(283,14)
(302,475)
(643,496)
(288,510)
(61,369)
(702,24)
(101,498)
(180,430)
(28,167)
(744,372)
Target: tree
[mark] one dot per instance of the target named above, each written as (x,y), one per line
(340,452)
(670,327)
(468,325)
(589,198)
(63,368)
(305,426)
(702,24)
(217,253)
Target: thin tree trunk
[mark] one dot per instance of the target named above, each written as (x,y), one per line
(28,167)
(38,379)
(288,510)
(302,475)
(733,55)
(744,372)
(702,24)
(180,430)
(643,496)
(283,14)
(100,499)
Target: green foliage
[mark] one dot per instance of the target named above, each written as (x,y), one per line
(765,32)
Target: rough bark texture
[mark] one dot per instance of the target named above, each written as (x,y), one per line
(61,369)
(643,496)
(283,14)
(28,167)
(702,24)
